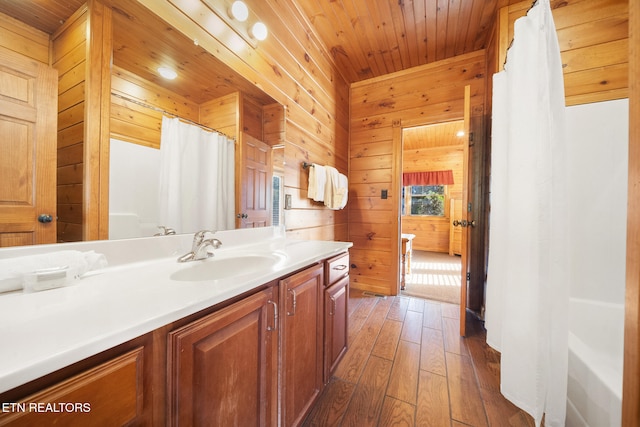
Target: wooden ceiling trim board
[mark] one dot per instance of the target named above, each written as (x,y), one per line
(452,27)
(372,34)
(393,38)
(464,26)
(441,26)
(411,22)
(474,26)
(321,26)
(405,26)
(420,15)
(431,11)
(489,13)
(381,53)
(348,41)
(365,37)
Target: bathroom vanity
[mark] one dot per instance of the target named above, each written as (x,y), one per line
(156,342)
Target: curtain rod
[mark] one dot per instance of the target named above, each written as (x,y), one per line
(160,110)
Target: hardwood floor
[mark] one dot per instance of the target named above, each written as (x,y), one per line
(407,366)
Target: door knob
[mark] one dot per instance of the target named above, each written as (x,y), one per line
(45,218)
(472,223)
(242,215)
(456,223)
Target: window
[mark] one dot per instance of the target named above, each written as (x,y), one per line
(424,200)
(277,198)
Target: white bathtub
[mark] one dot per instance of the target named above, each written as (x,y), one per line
(596,341)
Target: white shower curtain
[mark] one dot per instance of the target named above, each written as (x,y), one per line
(527,280)
(197,178)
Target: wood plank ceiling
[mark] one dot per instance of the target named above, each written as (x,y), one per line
(370,38)
(365,38)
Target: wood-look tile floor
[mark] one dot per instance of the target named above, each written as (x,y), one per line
(407,366)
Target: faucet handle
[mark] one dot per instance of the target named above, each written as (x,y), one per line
(198,237)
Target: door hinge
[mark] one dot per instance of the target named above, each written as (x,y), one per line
(469,207)
(471,144)
(468,277)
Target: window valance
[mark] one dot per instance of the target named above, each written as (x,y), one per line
(428,178)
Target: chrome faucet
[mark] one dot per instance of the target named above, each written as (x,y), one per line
(200,247)
(165,231)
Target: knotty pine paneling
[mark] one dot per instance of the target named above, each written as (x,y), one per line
(141,124)
(593,38)
(417,96)
(69,58)
(23,39)
(222,114)
(290,66)
(251,119)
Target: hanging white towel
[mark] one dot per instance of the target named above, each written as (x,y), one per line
(335,194)
(317,182)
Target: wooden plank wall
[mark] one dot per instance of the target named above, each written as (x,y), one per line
(432,233)
(379,108)
(291,66)
(136,123)
(222,114)
(69,58)
(23,39)
(594,44)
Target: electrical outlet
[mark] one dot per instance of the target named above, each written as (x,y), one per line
(383,194)
(287,201)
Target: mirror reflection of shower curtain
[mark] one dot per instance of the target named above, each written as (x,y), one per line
(197,178)
(527,293)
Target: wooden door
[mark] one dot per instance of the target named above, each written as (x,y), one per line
(256,184)
(28,138)
(466,219)
(301,343)
(223,367)
(336,298)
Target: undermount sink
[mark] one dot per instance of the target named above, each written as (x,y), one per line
(225,266)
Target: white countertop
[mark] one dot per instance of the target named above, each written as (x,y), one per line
(44,331)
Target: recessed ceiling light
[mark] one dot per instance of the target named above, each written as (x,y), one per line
(259,31)
(167,73)
(239,11)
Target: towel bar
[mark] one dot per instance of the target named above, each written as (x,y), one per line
(306,165)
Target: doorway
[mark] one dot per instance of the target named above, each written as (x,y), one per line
(431,210)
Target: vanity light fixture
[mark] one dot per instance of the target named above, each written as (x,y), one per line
(460,134)
(259,31)
(167,73)
(237,16)
(239,11)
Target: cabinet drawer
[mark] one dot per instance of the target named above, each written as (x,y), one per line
(109,394)
(337,267)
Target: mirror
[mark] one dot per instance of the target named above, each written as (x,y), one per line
(206,92)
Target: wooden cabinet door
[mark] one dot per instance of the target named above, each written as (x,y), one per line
(301,343)
(110,394)
(335,325)
(28,102)
(222,367)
